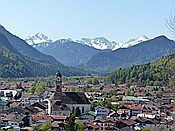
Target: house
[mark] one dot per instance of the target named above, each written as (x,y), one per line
(137,94)
(106,90)
(109,124)
(136,109)
(41,118)
(29,99)
(59,118)
(57,125)
(14,119)
(101,111)
(20,112)
(124,123)
(91,126)
(8,93)
(150,109)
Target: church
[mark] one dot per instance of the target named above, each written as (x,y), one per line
(64,103)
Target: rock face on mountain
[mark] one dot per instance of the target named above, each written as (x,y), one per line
(18,59)
(68,52)
(125,57)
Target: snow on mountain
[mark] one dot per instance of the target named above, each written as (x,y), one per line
(98,43)
(37,38)
(133,42)
(101,43)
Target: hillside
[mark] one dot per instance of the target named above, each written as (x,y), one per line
(26,49)
(67,52)
(160,72)
(142,53)
(11,64)
(18,59)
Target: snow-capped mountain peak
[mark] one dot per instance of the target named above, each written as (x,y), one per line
(101,43)
(133,42)
(37,38)
(98,43)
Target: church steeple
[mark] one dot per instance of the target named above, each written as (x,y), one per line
(58,81)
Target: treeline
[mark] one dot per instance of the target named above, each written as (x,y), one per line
(160,72)
(14,64)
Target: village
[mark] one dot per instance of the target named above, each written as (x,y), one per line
(95,107)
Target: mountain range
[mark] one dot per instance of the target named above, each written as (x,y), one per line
(18,59)
(98,43)
(141,53)
(82,54)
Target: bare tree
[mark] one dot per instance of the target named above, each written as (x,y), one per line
(171,24)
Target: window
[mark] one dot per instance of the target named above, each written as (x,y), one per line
(83,109)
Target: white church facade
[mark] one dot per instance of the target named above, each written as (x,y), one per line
(64,103)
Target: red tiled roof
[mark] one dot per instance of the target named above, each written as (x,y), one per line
(120,92)
(126,102)
(138,94)
(151,107)
(41,117)
(139,107)
(55,124)
(9,116)
(108,99)
(107,89)
(59,117)
(94,126)
(129,122)
(163,114)
(15,104)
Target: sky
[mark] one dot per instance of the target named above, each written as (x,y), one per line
(117,20)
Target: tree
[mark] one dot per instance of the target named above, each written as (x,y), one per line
(159,93)
(126,92)
(39,88)
(79,126)
(131,93)
(89,81)
(77,112)
(32,89)
(95,81)
(146,129)
(70,126)
(46,126)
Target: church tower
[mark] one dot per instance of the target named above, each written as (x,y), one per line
(58,81)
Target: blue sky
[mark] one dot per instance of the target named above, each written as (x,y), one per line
(118,20)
